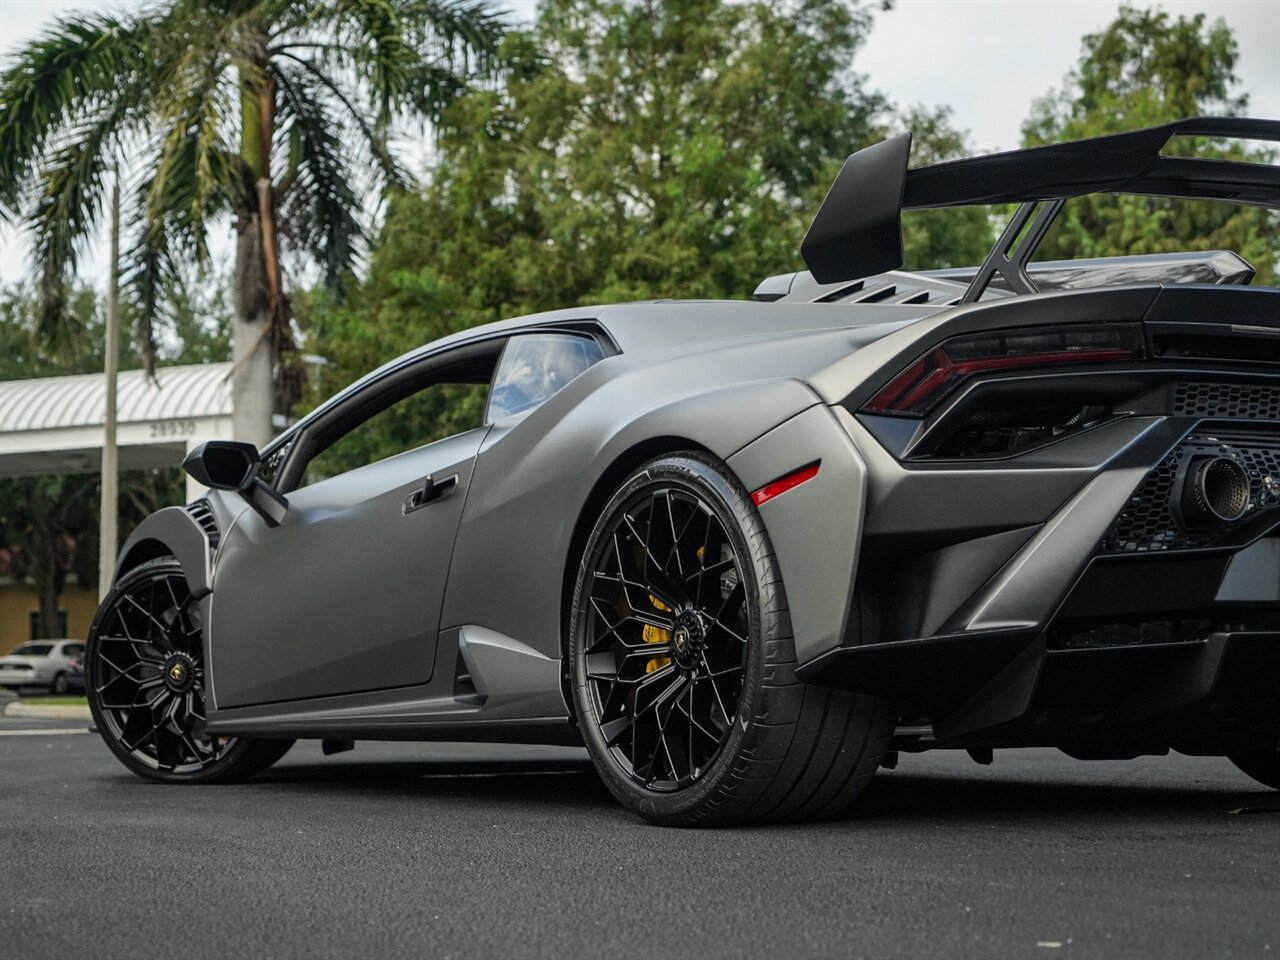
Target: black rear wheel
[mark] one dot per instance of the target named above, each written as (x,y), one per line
(683,662)
(145,682)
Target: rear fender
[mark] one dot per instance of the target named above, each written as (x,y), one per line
(816,527)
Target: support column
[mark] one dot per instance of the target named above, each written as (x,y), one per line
(108,537)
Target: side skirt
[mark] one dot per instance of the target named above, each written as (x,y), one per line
(487,687)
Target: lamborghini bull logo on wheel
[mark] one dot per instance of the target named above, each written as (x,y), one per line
(749,552)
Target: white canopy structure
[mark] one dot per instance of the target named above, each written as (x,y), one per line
(55,424)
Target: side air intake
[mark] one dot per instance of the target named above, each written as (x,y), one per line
(202,513)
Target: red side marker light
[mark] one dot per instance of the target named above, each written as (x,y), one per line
(783,484)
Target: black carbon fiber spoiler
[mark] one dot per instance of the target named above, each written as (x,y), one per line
(857,231)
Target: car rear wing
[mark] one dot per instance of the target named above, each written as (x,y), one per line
(857,231)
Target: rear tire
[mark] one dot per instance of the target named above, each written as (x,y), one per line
(649,711)
(145,682)
(1263,767)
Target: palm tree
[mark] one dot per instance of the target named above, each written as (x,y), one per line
(274,114)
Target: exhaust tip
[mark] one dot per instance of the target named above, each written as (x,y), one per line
(1216,491)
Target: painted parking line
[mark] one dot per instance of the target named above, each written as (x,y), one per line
(40,733)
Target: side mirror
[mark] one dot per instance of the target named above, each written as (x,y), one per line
(222,464)
(232,465)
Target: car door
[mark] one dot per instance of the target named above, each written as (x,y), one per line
(343,596)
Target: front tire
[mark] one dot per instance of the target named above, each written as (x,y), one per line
(145,682)
(61,686)
(684,666)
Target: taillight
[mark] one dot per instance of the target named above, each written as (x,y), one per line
(919,388)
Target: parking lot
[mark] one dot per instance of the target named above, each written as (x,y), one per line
(461,851)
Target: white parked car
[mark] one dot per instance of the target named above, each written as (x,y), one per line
(55,664)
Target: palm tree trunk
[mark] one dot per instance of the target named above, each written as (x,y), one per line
(253,370)
(49,627)
(43,569)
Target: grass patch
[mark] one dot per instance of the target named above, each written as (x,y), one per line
(56,701)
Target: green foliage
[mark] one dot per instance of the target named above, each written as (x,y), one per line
(432,414)
(956,237)
(635,151)
(48,529)
(1143,69)
(49,524)
(268,110)
(24,356)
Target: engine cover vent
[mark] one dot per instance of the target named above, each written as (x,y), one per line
(1234,400)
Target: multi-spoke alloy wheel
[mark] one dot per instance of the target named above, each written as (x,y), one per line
(683,665)
(145,679)
(666,636)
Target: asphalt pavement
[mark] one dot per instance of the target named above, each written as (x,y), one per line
(423,850)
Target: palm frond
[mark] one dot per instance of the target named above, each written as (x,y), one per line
(68,73)
(413,56)
(199,176)
(73,181)
(468,29)
(374,138)
(319,213)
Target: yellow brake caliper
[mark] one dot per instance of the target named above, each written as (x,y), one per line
(654,634)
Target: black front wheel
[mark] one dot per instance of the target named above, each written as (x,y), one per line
(684,665)
(145,681)
(60,685)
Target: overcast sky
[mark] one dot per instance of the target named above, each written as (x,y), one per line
(988,59)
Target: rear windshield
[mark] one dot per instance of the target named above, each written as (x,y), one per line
(33,650)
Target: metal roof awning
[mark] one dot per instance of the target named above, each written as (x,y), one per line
(55,424)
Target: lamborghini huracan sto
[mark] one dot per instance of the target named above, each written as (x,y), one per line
(749,552)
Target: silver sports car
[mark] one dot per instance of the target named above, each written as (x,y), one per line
(749,552)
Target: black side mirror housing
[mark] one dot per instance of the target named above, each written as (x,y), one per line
(233,465)
(223,464)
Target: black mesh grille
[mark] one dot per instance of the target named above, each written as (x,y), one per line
(202,513)
(1149,523)
(1242,401)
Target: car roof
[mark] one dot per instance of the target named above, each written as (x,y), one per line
(651,324)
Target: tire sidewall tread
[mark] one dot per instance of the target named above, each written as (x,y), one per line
(791,746)
(245,757)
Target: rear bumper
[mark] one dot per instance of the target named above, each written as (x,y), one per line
(1211,695)
(1104,627)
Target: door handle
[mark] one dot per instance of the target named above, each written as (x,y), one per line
(431,491)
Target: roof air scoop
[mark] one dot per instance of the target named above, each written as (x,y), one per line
(858,229)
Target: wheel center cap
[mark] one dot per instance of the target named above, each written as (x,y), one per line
(179,672)
(686,640)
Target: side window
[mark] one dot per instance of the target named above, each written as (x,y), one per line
(73,650)
(438,411)
(536,366)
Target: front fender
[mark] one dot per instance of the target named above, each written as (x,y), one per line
(170,532)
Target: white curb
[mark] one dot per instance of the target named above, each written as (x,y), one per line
(34,712)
